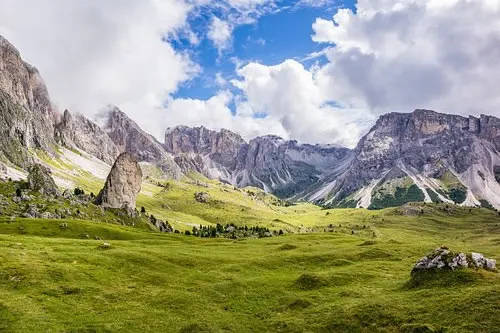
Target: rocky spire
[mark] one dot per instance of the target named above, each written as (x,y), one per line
(122,185)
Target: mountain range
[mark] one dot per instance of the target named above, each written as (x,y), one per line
(419,156)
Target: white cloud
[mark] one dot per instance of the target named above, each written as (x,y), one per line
(398,55)
(215,113)
(93,53)
(220,33)
(284,100)
(291,95)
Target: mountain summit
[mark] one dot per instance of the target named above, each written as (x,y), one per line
(419,156)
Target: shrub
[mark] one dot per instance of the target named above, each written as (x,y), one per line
(79,191)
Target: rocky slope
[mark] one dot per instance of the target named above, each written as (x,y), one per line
(129,137)
(423,156)
(26,114)
(283,167)
(79,132)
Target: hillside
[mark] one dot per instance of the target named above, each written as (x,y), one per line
(52,280)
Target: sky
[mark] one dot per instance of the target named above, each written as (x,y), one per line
(317,71)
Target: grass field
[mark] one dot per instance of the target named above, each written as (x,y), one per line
(51,280)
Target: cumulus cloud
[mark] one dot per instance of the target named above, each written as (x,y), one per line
(94,53)
(220,33)
(398,55)
(216,114)
(284,100)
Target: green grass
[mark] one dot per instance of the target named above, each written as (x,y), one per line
(340,270)
(51,280)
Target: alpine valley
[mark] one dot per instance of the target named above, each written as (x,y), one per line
(105,228)
(423,156)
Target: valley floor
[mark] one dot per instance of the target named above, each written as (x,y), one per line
(51,280)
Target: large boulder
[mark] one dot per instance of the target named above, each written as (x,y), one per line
(40,179)
(122,185)
(444,259)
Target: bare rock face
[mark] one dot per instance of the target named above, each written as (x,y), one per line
(129,137)
(40,179)
(26,114)
(285,168)
(122,185)
(79,132)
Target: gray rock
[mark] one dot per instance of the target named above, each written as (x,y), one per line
(26,113)
(129,137)
(442,258)
(202,197)
(40,179)
(81,133)
(122,185)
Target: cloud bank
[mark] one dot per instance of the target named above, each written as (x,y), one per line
(388,55)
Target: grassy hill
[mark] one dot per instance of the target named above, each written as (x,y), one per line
(342,270)
(51,280)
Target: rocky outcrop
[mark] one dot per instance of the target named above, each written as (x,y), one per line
(122,185)
(81,133)
(26,114)
(222,147)
(40,179)
(444,259)
(129,137)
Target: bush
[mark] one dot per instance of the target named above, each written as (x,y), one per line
(143,210)
(187,233)
(79,191)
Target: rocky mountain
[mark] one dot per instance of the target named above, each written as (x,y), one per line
(81,133)
(419,156)
(423,156)
(283,167)
(26,114)
(129,137)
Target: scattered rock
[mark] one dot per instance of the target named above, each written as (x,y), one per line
(105,246)
(443,259)
(202,197)
(40,179)
(67,194)
(32,212)
(63,225)
(122,185)
(25,197)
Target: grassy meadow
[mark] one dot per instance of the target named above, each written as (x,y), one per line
(51,280)
(343,270)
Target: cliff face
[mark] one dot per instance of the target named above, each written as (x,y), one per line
(441,157)
(129,137)
(26,115)
(79,132)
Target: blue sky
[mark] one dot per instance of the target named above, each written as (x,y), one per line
(272,38)
(378,56)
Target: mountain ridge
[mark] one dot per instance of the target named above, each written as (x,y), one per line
(420,156)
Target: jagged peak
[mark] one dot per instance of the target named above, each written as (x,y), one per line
(5,44)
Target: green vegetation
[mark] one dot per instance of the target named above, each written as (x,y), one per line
(455,190)
(400,197)
(57,277)
(339,270)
